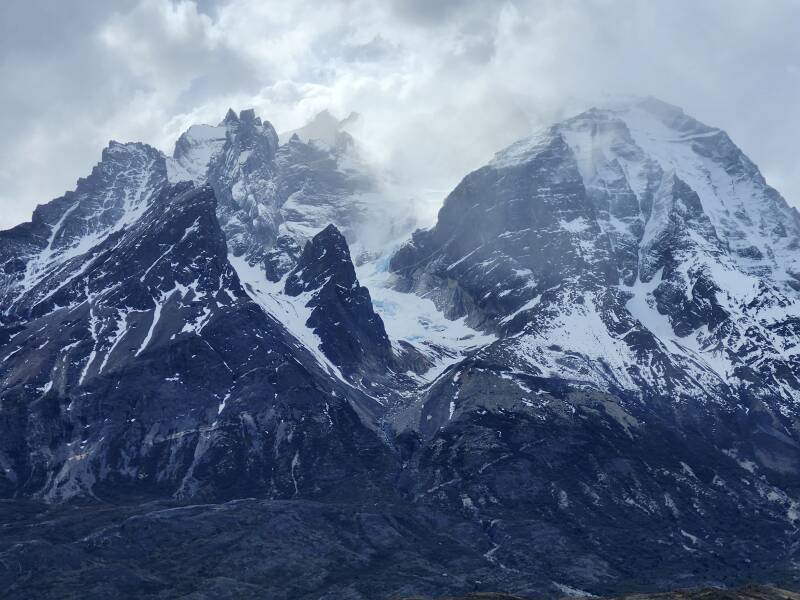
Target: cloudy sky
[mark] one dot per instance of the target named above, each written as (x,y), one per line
(441,84)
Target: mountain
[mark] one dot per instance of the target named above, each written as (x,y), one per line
(268,192)
(586,249)
(640,275)
(351,334)
(325,129)
(583,378)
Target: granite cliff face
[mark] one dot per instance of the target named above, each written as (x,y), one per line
(583,377)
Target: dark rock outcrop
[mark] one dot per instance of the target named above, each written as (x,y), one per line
(352,335)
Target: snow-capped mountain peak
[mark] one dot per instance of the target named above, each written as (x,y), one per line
(596,343)
(632,223)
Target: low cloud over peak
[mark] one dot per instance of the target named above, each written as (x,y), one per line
(439,87)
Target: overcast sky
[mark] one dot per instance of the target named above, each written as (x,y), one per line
(441,84)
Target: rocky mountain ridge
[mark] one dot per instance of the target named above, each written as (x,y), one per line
(584,376)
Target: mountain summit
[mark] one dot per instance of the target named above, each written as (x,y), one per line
(584,378)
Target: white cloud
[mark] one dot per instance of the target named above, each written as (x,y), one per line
(440,85)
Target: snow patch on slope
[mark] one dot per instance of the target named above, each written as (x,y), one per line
(572,343)
(417,321)
(198,145)
(290,311)
(136,180)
